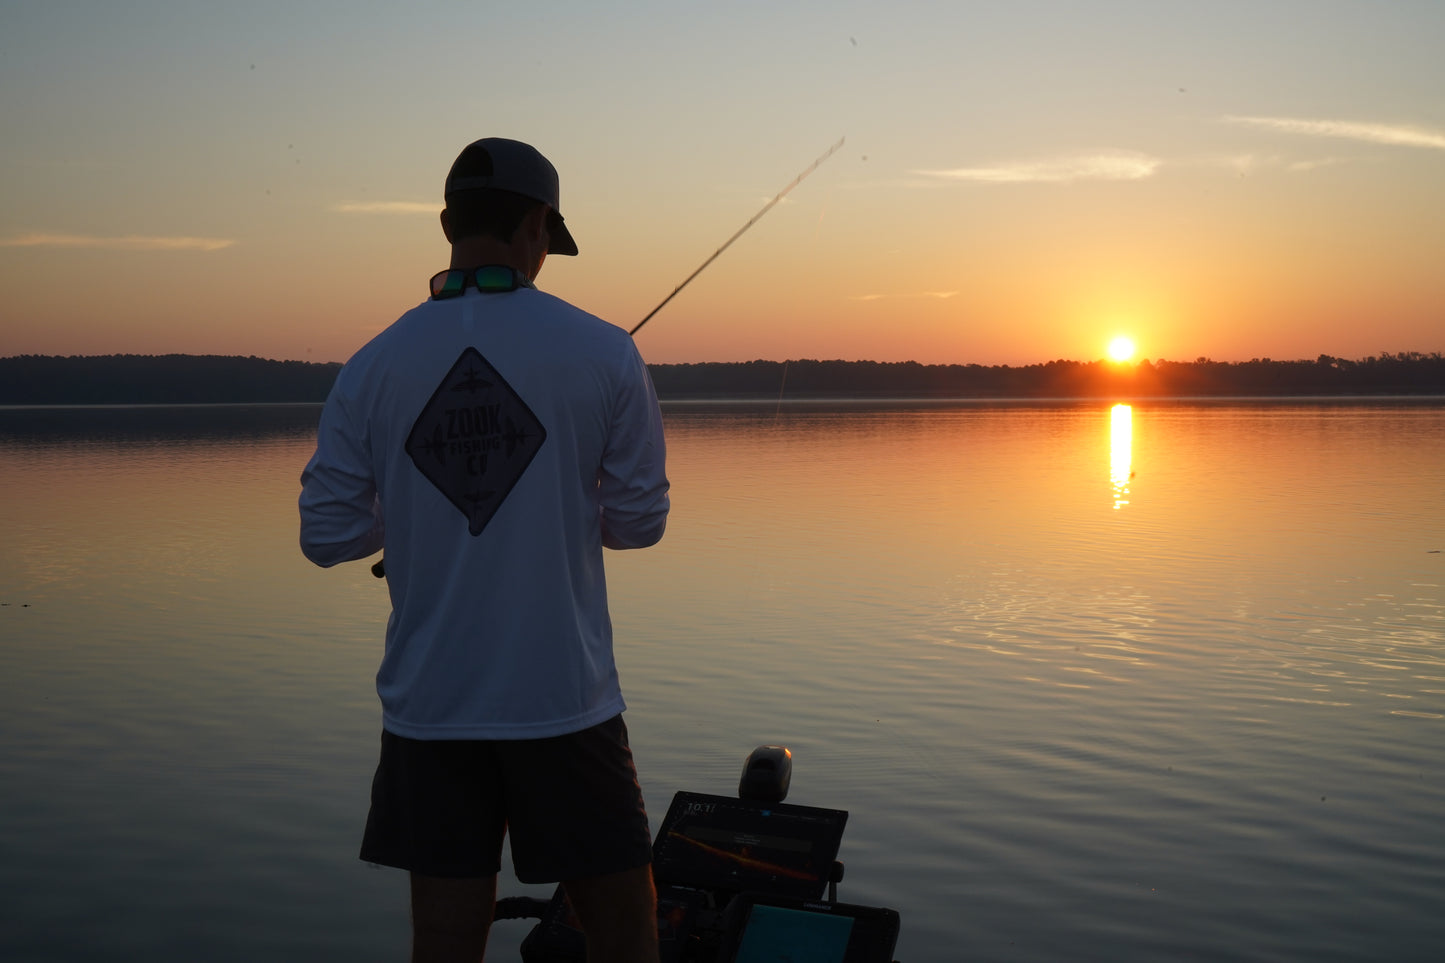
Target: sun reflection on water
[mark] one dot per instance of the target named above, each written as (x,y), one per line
(1121,452)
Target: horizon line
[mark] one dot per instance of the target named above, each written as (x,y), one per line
(1201,359)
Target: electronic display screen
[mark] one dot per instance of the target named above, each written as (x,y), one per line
(783,929)
(719,842)
(778,935)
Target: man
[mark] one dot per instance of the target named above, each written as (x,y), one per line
(493,440)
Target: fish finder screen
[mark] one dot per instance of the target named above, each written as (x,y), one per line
(775,934)
(789,929)
(736,844)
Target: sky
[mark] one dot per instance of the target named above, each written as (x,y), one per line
(1020,182)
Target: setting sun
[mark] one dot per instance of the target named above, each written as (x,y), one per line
(1121,348)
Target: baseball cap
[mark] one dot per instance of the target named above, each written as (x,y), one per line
(510,165)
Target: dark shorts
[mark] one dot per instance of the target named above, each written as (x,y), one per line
(571,804)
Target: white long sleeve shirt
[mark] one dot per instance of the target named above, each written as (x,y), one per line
(491,444)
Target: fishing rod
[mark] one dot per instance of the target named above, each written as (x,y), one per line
(379,568)
(755,218)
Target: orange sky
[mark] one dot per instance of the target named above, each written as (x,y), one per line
(1021,182)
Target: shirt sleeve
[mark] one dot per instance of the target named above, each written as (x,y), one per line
(340,510)
(632,482)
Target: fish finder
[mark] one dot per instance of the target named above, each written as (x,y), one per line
(720,843)
(742,880)
(760,928)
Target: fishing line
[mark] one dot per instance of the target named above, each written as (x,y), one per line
(782,386)
(755,218)
(753,581)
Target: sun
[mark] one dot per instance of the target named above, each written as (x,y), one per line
(1121,348)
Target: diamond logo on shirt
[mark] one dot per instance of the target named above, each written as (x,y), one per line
(475,438)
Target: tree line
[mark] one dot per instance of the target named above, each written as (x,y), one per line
(1409,373)
(216,379)
(143,379)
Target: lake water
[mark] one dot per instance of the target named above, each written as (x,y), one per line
(1095,683)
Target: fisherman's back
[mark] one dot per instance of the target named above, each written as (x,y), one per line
(499,428)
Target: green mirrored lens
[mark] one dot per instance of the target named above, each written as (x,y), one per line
(448,284)
(495,277)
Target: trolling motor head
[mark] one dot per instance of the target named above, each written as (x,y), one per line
(767,774)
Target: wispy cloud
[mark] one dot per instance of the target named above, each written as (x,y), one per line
(1106,166)
(1395,135)
(1241,164)
(940,295)
(1313,165)
(386,207)
(1247,164)
(128,242)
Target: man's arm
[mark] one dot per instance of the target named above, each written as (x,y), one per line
(632,482)
(340,511)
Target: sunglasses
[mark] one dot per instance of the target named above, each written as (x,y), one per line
(488,279)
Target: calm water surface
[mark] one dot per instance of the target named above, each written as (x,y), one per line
(1094,683)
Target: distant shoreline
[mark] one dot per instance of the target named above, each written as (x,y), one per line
(31,380)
